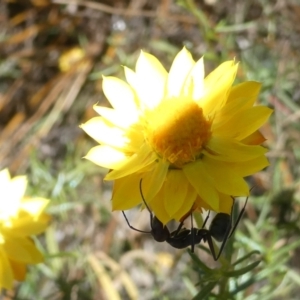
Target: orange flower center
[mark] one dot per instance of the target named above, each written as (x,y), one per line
(177,130)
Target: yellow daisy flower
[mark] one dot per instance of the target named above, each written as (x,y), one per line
(191,138)
(20,218)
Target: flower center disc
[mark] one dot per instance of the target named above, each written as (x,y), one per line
(177,130)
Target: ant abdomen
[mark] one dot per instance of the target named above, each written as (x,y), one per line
(219,226)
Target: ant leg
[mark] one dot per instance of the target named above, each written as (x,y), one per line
(148,208)
(131,227)
(211,247)
(206,219)
(193,234)
(226,237)
(239,217)
(227,234)
(231,230)
(174,234)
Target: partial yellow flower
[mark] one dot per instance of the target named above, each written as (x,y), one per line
(70,58)
(20,218)
(191,138)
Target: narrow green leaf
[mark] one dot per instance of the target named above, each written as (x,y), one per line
(285,249)
(244,285)
(205,291)
(199,263)
(237,273)
(246,257)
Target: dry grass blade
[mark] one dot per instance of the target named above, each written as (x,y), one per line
(116,268)
(4,99)
(104,279)
(60,92)
(11,127)
(26,34)
(129,12)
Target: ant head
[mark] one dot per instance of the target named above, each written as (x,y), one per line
(159,232)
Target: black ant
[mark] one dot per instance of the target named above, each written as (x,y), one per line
(220,229)
(180,238)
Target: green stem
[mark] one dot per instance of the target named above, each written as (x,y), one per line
(204,25)
(223,290)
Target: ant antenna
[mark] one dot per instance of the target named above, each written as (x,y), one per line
(131,227)
(151,215)
(141,191)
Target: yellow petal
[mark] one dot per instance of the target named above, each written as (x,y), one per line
(131,78)
(201,205)
(158,207)
(106,133)
(144,157)
(106,157)
(218,74)
(4,177)
(226,203)
(148,66)
(197,78)
(256,138)
(22,250)
(119,94)
(226,149)
(181,67)
(217,87)
(203,184)
(244,94)
(26,225)
(151,77)
(225,179)
(12,189)
(6,273)
(153,180)
(244,123)
(175,190)
(126,192)
(117,117)
(34,206)
(190,199)
(241,96)
(19,270)
(250,167)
